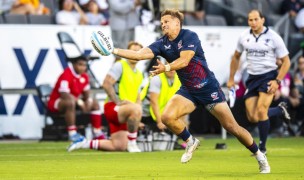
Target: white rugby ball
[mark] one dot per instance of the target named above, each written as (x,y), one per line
(102,43)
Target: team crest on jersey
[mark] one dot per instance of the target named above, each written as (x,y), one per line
(180,44)
(266,42)
(82,80)
(167,47)
(248,40)
(214,96)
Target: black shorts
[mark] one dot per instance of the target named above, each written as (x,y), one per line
(259,83)
(211,93)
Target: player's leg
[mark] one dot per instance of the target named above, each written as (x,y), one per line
(223,113)
(177,107)
(131,114)
(96,121)
(280,110)
(117,142)
(251,104)
(185,119)
(67,106)
(264,102)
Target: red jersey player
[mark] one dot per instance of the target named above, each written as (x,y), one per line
(72,88)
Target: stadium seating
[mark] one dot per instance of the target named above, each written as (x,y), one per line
(215,20)
(40,19)
(15,19)
(189,20)
(239,6)
(1,19)
(294,42)
(211,8)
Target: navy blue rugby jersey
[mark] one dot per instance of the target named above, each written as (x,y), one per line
(197,74)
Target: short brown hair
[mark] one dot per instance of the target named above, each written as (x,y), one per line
(131,43)
(174,13)
(256,10)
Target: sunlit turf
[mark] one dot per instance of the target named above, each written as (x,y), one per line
(49,160)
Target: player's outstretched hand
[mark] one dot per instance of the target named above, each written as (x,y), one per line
(159,68)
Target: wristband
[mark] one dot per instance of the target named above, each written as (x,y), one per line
(115,51)
(167,67)
(278,81)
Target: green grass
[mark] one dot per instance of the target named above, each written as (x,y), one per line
(49,160)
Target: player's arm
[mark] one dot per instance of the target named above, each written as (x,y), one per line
(273,85)
(179,63)
(155,108)
(138,101)
(182,61)
(108,86)
(284,67)
(143,54)
(64,89)
(235,61)
(86,95)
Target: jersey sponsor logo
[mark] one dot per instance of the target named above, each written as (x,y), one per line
(191,45)
(180,44)
(214,96)
(256,53)
(167,47)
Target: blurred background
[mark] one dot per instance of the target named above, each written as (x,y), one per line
(31,53)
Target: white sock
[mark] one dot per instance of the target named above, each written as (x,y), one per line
(132,142)
(260,156)
(97,132)
(86,145)
(190,141)
(72,133)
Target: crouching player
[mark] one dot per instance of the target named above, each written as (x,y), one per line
(122,109)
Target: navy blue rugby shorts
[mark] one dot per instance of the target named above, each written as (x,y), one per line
(209,94)
(258,83)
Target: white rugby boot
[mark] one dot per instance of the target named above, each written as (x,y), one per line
(190,150)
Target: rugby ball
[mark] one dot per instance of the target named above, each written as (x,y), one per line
(102,43)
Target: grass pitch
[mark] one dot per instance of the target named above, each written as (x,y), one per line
(49,160)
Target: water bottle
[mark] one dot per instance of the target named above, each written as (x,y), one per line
(232,96)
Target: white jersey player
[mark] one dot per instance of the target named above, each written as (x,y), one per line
(262,47)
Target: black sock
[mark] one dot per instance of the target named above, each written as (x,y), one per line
(275,111)
(184,134)
(253,148)
(263,132)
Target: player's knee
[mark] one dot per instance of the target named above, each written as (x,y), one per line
(261,112)
(231,128)
(70,103)
(252,118)
(120,147)
(95,105)
(167,118)
(135,112)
